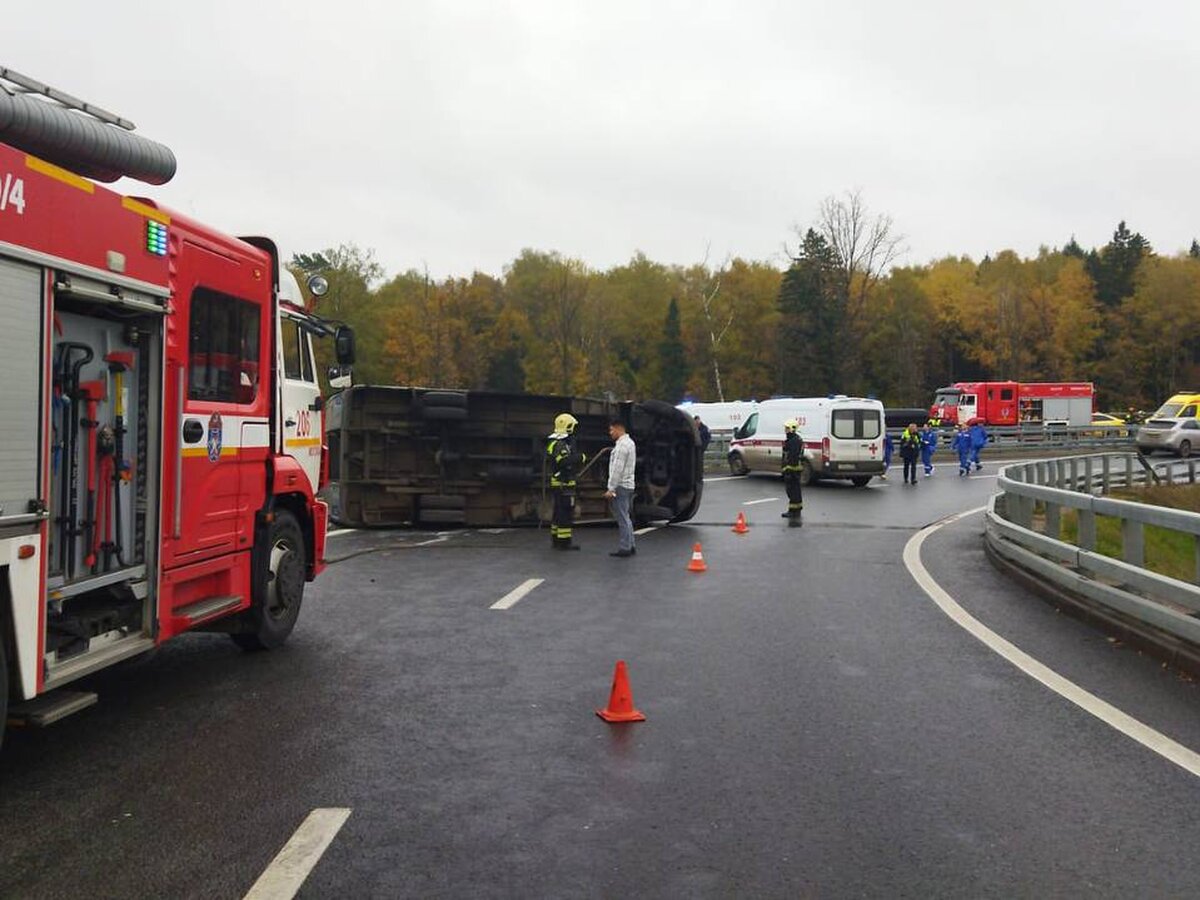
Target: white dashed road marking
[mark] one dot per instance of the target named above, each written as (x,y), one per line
(1102,710)
(338,531)
(763,500)
(647,529)
(291,866)
(516,594)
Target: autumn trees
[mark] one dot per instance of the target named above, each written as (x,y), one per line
(837,317)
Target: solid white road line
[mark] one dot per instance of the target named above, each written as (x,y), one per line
(764,500)
(437,540)
(1102,710)
(338,531)
(647,529)
(516,594)
(724,478)
(287,871)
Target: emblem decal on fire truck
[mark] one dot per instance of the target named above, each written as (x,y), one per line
(214,437)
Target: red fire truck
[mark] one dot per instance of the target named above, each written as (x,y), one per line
(1015,403)
(161,444)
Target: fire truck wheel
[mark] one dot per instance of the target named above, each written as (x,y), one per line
(273,616)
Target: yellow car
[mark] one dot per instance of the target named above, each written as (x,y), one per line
(1106,425)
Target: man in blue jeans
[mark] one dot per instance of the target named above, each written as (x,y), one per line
(621,464)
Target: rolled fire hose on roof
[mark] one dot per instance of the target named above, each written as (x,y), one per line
(80,143)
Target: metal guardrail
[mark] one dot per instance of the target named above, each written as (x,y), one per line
(1080,483)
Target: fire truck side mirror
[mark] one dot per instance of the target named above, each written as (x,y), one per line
(339,378)
(343,345)
(317,285)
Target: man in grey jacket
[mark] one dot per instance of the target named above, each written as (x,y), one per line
(620,485)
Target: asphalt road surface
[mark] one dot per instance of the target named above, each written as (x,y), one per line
(816,726)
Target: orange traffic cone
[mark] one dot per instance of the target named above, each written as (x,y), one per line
(620,700)
(740,526)
(697,564)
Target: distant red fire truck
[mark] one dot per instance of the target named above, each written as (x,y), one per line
(161,444)
(1015,403)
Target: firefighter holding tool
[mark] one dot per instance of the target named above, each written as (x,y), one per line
(565,461)
(793,464)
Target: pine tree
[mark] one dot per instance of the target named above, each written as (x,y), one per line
(1072,248)
(812,321)
(1114,267)
(672,357)
(1194,250)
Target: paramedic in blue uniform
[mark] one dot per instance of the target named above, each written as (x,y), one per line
(979,439)
(929,442)
(962,446)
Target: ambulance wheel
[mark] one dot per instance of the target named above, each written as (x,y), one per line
(737,465)
(807,476)
(279,587)
(860,480)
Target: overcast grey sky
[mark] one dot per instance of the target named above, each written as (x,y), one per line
(453,134)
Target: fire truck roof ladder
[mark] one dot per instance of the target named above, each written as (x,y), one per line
(26,85)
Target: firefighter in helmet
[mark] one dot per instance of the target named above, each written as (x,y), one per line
(793,464)
(565,461)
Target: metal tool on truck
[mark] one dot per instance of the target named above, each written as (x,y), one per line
(161,437)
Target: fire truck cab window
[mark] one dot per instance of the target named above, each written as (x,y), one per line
(289,332)
(1006,393)
(223,351)
(297,352)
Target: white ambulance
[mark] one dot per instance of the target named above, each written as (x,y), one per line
(843,438)
(721,418)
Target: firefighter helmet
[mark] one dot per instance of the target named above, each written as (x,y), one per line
(791,425)
(565,423)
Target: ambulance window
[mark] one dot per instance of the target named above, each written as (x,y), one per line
(223,351)
(1006,393)
(289,334)
(748,427)
(1188,412)
(855,423)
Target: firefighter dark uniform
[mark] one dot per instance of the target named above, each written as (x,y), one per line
(793,465)
(565,461)
(910,451)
